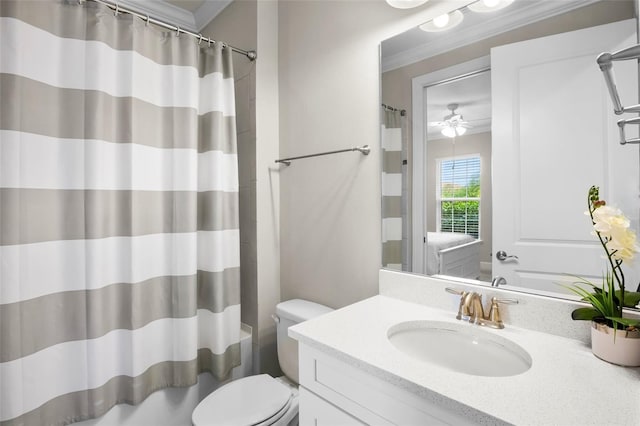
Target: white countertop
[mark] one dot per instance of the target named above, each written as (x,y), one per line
(566,384)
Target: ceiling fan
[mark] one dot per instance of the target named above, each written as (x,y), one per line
(452,124)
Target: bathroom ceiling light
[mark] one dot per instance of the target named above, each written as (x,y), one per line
(443,22)
(406,4)
(484,6)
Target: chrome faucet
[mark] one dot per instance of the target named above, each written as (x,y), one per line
(496,281)
(472,310)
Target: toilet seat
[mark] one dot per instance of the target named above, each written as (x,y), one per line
(251,401)
(271,420)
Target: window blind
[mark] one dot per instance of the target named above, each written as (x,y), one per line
(459,195)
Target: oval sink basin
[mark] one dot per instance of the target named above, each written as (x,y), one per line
(460,347)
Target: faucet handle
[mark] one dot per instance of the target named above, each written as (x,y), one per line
(494,312)
(506,301)
(462,295)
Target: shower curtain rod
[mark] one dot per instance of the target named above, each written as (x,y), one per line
(365,150)
(251,54)
(390,108)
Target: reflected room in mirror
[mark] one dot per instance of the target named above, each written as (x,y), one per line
(492,133)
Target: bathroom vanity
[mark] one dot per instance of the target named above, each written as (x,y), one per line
(352,373)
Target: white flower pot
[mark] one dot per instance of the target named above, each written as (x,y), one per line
(623,348)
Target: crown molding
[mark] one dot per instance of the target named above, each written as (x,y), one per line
(509,20)
(161,10)
(208,11)
(175,15)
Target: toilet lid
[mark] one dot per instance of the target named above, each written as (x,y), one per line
(247,401)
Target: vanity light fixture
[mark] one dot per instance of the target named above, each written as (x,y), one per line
(449,20)
(443,22)
(483,6)
(406,4)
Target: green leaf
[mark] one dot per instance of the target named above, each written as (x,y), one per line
(602,299)
(631,298)
(629,322)
(587,314)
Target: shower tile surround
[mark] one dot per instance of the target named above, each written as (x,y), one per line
(556,390)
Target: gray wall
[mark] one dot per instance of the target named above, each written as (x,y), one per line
(330,99)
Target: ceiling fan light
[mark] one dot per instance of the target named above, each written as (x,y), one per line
(449,132)
(441,21)
(406,4)
(452,19)
(484,6)
(452,130)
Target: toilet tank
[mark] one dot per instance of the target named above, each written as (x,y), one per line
(288,313)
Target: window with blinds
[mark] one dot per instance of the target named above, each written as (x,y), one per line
(458,195)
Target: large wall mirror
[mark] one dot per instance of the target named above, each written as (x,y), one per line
(493,132)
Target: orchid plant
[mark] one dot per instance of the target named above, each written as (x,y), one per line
(619,242)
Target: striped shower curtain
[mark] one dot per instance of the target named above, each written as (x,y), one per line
(119,241)
(395,217)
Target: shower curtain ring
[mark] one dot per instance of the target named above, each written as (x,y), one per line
(177,31)
(200,40)
(148,20)
(117,10)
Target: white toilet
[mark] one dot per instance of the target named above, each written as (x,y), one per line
(263,400)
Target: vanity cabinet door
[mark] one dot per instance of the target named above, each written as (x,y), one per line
(315,411)
(340,394)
